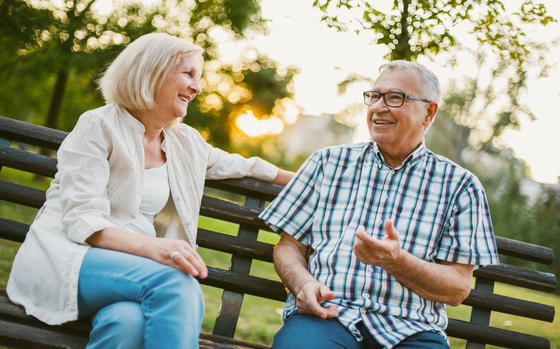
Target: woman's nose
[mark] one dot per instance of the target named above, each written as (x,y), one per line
(195,85)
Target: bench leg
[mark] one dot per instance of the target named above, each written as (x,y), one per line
(480,316)
(226,320)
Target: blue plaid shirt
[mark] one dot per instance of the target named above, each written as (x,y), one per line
(438,208)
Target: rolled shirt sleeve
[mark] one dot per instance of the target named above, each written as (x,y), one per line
(83,171)
(468,237)
(293,210)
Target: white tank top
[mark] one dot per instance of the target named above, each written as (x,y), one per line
(154,195)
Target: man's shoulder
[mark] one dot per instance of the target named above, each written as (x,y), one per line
(451,167)
(343,150)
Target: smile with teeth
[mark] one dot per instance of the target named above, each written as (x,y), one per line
(382,122)
(184,98)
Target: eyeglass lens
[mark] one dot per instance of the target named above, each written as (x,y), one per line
(391,99)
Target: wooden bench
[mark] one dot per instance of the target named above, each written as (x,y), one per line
(19,330)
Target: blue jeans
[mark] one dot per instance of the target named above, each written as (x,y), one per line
(307,332)
(137,302)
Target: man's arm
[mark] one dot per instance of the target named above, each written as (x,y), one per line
(447,282)
(291,266)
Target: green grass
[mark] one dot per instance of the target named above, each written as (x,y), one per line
(261,318)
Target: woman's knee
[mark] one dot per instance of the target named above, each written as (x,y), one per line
(182,289)
(120,324)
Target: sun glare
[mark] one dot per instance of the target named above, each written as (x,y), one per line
(253,127)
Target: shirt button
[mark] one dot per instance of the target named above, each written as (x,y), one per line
(379,221)
(363,311)
(366,295)
(385,196)
(370,269)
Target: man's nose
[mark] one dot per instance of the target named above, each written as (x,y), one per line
(378,106)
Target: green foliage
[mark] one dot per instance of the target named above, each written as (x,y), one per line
(60,46)
(54,54)
(419,27)
(252,85)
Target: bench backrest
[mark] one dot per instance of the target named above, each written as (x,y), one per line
(244,248)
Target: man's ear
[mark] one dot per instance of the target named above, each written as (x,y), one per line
(431,111)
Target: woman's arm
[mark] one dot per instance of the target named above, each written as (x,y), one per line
(283,177)
(161,250)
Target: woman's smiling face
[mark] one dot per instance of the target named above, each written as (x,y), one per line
(179,87)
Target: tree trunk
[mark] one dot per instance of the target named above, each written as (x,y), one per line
(402,50)
(56,100)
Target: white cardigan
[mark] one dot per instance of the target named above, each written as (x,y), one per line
(100,166)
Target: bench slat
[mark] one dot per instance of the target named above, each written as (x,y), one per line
(22,195)
(248,187)
(37,337)
(24,132)
(510,305)
(518,276)
(243,283)
(12,230)
(525,250)
(234,245)
(231,211)
(495,336)
(26,161)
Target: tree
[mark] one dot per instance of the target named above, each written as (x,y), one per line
(414,28)
(67,39)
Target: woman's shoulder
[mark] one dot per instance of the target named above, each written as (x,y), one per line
(186,132)
(99,115)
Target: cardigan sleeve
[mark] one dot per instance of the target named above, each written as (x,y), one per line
(83,172)
(222,165)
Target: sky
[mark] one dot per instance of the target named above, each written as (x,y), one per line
(325,57)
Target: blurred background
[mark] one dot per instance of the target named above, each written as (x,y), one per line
(285,78)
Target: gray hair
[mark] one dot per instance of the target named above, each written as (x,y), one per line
(431,89)
(134,77)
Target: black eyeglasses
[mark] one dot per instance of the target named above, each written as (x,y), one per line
(393,99)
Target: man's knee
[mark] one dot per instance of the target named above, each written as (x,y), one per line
(118,324)
(303,331)
(424,340)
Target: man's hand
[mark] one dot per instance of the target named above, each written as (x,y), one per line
(378,252)
(309,298)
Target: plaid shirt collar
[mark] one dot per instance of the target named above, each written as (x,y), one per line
(410,160)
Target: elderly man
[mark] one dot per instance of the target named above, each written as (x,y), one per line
(378,237)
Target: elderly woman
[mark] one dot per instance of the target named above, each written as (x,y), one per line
(116,237)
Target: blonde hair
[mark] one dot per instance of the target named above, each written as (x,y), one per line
(136,74)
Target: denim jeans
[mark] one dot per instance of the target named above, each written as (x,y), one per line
(308,332)
(136,302)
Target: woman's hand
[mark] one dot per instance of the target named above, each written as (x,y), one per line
(176,253)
